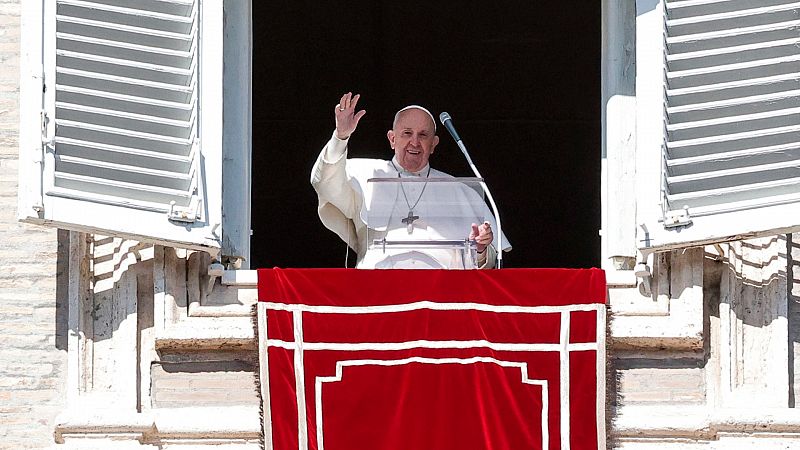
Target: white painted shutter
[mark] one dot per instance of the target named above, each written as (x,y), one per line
(731,149)
(123,149)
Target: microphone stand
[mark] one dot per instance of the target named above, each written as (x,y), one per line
(486,191)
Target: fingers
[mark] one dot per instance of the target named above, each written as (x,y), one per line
(474,232)
(346,117)
(359,115)
(343,102)
(348,102)
(347,106)
(481,231)
(484,239)
(485,234)
(482,235)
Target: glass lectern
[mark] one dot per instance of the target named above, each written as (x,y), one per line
(422,222)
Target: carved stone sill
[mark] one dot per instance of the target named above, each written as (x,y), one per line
(158,427)
(700,422)
(208,333)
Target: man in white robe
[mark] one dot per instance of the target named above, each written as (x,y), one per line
(345,196)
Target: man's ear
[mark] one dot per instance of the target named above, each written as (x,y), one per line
(390,136)
(435,143)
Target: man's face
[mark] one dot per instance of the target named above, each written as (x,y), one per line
(413,139)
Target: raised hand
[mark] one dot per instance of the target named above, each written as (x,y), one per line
(482,234)
(346,116)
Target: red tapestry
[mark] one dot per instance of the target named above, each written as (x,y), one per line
(506,359)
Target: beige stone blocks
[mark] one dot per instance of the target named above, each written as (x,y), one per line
(32,356)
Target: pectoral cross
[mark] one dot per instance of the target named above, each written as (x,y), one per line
(409,221)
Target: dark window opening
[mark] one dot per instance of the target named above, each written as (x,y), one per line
(521,80)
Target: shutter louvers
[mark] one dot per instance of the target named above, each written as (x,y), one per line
(732,132)
(126,104)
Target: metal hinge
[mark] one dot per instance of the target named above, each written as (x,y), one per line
(48,130)
(677,218)
(47,144)
(189,214)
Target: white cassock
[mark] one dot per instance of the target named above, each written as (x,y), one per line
(345,197)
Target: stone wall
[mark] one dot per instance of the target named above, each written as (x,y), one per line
(738,387)
(33,316)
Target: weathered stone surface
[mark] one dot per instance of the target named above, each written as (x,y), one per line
(204,383)
(32,368)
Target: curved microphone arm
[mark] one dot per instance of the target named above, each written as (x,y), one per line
(448,123)
(491,202)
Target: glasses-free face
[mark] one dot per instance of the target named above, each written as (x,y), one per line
(413,139)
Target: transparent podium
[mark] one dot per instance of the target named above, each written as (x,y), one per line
(422,223)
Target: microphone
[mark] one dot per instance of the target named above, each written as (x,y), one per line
(447,121)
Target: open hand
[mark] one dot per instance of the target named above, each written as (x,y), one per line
(346,116)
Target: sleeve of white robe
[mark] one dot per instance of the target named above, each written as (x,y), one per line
(339,202)
(487,259)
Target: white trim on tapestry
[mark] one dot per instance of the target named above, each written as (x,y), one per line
(263,372)
(300,381)
(563,384)
(523,367)
(409,345)
(430,305)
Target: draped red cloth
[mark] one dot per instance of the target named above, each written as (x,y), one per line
(423,359)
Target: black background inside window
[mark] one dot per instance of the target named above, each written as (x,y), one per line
(521,80)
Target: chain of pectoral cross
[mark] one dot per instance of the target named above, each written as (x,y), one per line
(409,220)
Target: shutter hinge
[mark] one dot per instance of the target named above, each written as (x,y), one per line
(48,132)
(47,144)
(677,218)
(189,214)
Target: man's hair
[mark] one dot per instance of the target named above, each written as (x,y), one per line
(402,110)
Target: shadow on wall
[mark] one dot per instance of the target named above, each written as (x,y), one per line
(793,309)
(118,286)
(757,298)
(62,291)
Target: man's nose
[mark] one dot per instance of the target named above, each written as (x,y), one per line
(415,140)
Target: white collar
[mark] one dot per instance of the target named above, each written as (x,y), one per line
(421,172)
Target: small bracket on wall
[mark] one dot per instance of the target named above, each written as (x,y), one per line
(643,272)
(677,218)
(215,270)
(184,215)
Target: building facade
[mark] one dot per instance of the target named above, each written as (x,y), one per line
(131,332)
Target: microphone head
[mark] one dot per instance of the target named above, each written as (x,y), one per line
(443,117)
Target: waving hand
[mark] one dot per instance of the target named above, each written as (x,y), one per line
(346,116)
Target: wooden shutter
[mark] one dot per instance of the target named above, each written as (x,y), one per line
(122,141)
(731,147)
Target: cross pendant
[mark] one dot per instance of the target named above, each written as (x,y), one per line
(409,221)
